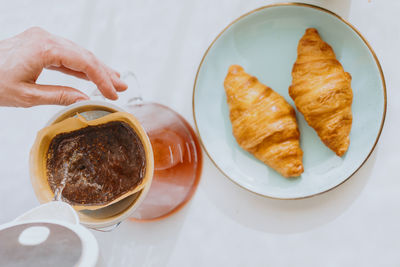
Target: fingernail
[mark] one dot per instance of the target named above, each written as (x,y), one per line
(123,84)
(119,83)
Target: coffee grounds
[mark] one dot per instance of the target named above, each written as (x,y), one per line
(101,163)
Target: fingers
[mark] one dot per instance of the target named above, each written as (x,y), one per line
(53,95)
(119,85)
(79,61)
(63,69)
(112,71)
(65,55)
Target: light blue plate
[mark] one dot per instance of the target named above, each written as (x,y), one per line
(264,42)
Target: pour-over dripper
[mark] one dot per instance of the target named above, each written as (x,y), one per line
(105,218)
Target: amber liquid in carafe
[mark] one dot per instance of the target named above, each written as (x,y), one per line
(177,160)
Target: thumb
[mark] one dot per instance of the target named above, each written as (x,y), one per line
(55,95)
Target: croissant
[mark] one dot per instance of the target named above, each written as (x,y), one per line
(263,122)
(321,91)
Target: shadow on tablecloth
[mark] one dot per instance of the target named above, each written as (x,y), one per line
(284,216)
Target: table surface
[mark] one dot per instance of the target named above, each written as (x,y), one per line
(163,43)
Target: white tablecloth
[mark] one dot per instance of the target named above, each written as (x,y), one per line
(356,224)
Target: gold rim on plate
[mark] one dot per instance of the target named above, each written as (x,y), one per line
(320,9)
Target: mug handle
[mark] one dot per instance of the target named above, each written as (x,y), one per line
(134,89)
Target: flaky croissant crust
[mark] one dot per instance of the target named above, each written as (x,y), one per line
(322,92)
(263,122)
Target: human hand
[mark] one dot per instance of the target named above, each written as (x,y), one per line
(24,56)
